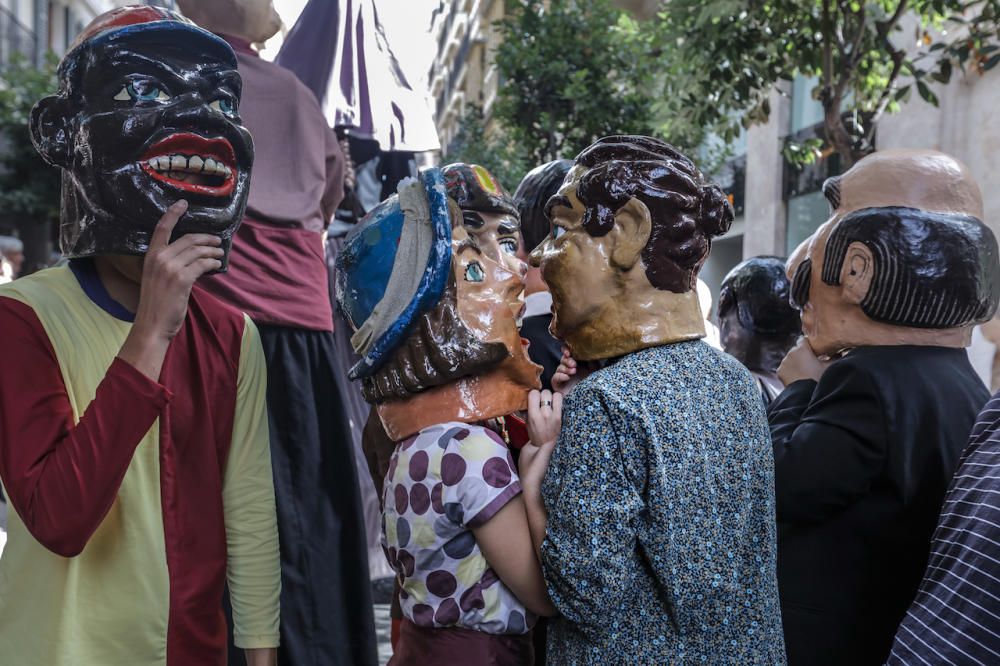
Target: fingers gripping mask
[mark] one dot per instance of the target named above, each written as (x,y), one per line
(147,113)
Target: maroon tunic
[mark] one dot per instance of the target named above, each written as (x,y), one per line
(277,269)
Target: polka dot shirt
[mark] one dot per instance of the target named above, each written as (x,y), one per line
(660,543)
(441,483)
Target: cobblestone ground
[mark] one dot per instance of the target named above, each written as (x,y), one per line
(382,630)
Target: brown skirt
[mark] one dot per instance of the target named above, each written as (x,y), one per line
(455,646)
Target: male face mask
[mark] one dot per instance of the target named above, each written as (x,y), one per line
(147,113)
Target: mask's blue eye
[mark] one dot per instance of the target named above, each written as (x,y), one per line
(508,245)
(474,272)
(143,91)
(224,105)
(557,231)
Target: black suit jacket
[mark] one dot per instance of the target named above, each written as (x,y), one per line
(544,349)
(862,462)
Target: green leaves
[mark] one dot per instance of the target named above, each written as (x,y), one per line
(728,64)
(576,70)
(573,71)
(28,186)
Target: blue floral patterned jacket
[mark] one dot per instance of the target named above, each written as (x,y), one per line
(660,546)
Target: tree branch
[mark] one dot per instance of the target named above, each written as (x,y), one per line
(884,27)
(898,57)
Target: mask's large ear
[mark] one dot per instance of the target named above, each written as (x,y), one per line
(857,273)
(629,236)
(50,130)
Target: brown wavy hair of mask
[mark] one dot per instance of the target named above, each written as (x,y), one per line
(686,209)
(440,349)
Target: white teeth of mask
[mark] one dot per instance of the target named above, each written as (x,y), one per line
(172,165)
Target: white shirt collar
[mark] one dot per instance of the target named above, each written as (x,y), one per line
(538,303)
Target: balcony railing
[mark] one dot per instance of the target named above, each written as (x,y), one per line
(15,37)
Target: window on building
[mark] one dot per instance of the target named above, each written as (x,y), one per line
(805,213)
(806,111)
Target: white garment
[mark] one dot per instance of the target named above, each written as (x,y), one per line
(538,303)
(981,353)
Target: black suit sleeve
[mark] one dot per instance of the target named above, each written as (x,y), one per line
(544,349)
(829,443)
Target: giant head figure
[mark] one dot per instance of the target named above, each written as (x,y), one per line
(434,316)
(255,21)
(147,113)
(488,212)
(905,258)
(631,227)
(757,323)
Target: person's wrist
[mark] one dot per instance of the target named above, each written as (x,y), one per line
(531,489)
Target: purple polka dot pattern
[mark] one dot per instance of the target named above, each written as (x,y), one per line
(446,480)
(420,499)
(455,512)
(452,435)
(516,623)
(406,563)
(452,469)
(418,466)
(402,499)
(430,559)
(436,501)
(441,583)
(472,599)
(423,615)
(447,613)
(489,577)
(402,532)
(496,472)
(461,546)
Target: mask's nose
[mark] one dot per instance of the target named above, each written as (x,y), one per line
(518,267)
(535,258)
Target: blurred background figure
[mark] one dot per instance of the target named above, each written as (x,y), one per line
(277,274)
(339,50)
(757,324)
(531,196)
(11,258)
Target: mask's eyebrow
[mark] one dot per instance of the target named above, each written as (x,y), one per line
(557,200)
(473,219)
(127,66)
(227,77)
(509,226)
(467,244)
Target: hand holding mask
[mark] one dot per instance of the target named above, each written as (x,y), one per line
(147,113)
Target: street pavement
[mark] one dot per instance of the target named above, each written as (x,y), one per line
(383,628)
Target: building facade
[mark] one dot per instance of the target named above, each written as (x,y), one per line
(777,206)
(30,29)
(33,27)
(463,71)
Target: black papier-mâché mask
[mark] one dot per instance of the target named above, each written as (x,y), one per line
(146,114)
